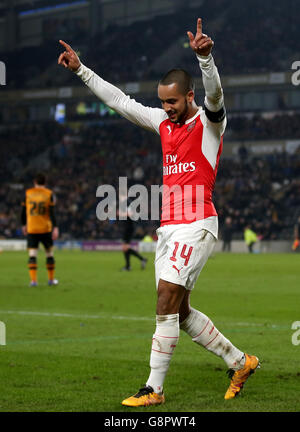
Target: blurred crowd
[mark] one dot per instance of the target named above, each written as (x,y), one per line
(261,191)
(283,126)
(263,39)
(76,163)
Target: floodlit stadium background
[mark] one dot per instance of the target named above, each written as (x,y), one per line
(84,344)
(50,121)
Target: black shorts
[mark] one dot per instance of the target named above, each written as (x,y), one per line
(33,240)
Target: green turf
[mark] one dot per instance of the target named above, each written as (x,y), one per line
(84,345)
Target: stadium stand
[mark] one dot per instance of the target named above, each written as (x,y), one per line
(142,50)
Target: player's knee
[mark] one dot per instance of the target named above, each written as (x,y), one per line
(32,260)
(32,252)
(32,263)
(49,252)
(50,261)
(185,308)
(169,297)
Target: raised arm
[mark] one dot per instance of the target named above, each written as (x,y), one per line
(146,117)
(214,101)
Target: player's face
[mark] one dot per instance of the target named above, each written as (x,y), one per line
(175,104)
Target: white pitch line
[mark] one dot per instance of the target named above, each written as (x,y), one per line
(68,315)
(117,317)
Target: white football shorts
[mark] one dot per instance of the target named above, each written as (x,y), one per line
(181,252)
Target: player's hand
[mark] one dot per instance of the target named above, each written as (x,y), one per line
(24,230)
(69,59)
(201,44)
(55,233)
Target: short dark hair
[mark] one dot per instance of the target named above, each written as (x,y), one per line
(180,77)
(40,179)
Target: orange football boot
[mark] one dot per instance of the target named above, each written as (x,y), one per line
(144,397)
(239,377)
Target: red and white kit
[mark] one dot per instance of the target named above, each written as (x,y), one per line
(191,152)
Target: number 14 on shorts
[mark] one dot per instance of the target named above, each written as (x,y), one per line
(183,254)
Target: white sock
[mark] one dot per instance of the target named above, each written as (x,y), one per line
(203,332)
(164,342)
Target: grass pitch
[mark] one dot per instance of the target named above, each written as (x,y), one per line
(84,345)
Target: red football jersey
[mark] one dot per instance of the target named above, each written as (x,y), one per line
(188,177)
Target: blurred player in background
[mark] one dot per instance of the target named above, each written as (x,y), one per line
(39,225)
(127,228)
(227,233)
(191,138)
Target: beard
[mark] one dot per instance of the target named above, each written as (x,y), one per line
(181,116)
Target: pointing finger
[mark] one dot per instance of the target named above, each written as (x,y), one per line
(199,26)
(67,46)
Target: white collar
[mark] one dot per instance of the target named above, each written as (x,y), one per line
(193,118)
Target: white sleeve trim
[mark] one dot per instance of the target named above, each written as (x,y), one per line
(146,117)
(211,138)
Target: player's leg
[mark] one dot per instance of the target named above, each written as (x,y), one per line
(164,342)
(32,266)
(125,249)
(50,265)
(32,246)
(133,252)
(139,256)
(203,331)
(50,260)
(195,323)
(128,251)
(165,338)
(146,396)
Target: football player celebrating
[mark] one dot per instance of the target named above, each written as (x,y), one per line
(191,138)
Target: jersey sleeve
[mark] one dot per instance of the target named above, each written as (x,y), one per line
(146,117)
(214,99)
